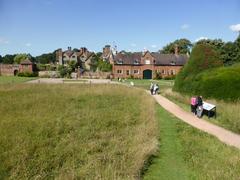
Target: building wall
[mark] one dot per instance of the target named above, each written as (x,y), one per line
(127,71)
(8,69)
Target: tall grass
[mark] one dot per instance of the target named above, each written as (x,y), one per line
(14,79)
(228,113)
(75,131)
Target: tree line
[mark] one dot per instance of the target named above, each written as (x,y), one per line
(229,52)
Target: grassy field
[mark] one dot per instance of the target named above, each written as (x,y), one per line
(75,131)
(14,79)
(187,153)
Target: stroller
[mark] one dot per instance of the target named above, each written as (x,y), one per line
(199,111)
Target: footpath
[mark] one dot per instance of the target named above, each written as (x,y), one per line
(222,134)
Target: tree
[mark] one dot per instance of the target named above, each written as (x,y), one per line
(21,57)
(1,58)
(184,46)
(46,58)
(8,59)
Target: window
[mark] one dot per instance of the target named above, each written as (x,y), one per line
(119,61)
(147,61)
(136,71)
(119,71)
(73,56)
(163,72)
(136,61)
(128,72)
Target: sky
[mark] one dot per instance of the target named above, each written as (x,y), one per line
(42,26)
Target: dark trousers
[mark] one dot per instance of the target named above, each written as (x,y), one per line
(193,108)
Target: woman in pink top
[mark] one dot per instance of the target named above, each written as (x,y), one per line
(193,104)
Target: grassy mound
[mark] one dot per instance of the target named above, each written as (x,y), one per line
(75,131)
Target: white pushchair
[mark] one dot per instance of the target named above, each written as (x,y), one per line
(199,111)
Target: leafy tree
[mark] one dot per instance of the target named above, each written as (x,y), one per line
(76,50)
(8,59)
(104,66)
(20,57)
(184,46)
(1,59)
(46,58)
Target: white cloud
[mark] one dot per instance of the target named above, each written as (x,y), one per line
(235,28)
(28,44)
(154,46)
(3,41)
(200,38)
(133,45)
(185,26)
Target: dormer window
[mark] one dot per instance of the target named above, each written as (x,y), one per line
(119,61)
(73,56)
(173,63)
(136,61)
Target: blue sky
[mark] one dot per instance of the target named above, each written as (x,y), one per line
(40,26)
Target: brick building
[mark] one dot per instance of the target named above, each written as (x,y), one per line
(82,57)
(147,65)
(14,69)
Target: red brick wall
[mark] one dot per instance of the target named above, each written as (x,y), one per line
(8,69)
(164,70)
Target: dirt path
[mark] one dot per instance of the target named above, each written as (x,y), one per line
(222,134)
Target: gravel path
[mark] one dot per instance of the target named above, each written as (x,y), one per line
(222,134)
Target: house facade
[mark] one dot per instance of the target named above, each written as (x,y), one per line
(81,56)
(147,65)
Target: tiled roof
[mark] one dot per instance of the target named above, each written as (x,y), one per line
(170,59)
(160,59)
(127,58)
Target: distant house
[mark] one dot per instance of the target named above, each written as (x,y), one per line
(147,65)
(81,56)
(14,69)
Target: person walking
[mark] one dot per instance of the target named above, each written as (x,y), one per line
(193,105)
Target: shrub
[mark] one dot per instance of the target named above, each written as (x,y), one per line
(170,77)
(28,74)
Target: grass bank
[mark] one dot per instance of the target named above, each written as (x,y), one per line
(14,79)
(187,153)
(75,131)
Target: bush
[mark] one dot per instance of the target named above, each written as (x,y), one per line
(171,77)
(203,57)
(28,74)
(219,83)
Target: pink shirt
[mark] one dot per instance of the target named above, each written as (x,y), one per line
(193,101)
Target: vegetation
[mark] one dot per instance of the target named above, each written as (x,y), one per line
(229,51)
(46,58)
(13,79)
(183,45)
(27,74)
(80,132)
(8,59)
(21,57)
(187,153)
(104,66)
(203,58)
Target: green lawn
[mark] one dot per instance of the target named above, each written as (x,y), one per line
(75,131)
(14,79)
(145,84)
(187,153)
